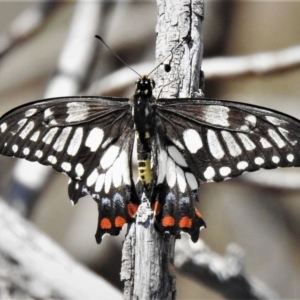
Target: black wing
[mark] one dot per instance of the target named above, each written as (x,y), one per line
(222,139)
(202,140)
(88,138)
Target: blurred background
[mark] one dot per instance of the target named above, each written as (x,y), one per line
(259,211)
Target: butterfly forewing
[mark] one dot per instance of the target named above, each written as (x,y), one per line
(222,139)
(89,139)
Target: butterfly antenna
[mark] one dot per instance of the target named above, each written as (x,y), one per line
(116,55)
(168,68)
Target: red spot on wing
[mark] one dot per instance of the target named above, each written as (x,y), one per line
(156,207)
(105,223)
(132,209)
(185,222)
(119,221)
(168,221)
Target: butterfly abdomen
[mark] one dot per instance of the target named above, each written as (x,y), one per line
(144,158)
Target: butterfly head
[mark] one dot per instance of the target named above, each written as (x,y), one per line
(144,86)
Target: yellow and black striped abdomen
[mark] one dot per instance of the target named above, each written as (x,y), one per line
(144,158)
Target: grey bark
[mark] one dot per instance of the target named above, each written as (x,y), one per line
(148,255)
(224,274)
(33,267)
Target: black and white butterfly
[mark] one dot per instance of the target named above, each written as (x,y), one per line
(182,143)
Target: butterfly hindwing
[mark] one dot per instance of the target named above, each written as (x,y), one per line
(176,189)
(89,139)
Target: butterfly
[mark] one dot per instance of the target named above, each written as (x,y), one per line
(181,143)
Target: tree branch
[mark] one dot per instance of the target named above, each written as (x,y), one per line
(254,64)
(262,63)
(27,24)
(147,254)
(33,267)
(223,274)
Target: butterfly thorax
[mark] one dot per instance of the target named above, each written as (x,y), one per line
(142,102)
(143,116)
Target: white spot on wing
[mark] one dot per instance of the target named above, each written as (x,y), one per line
(225,171)
(21,123)
(47,139)
(162,166)
(52,159)
(191,181)
(171,173)
(15,148)
(275,159)
(209,173)
(125,167)
(47,113)
(92,178)
(251,120)
(275,121)
(216,115)
(66,166)
(177,156)
(117,173)
(192,140)
(108,178)
(30,112)
(233,147)
(94,139)
(62,139)
(99,183)
(3,127)
(242,165)
(26,151)
(265,143)
(286,134)
(26,130)
(35,136)
(248,144)
(79,170)
(106,142)
(39,154)
(178,144)
(259,160)
(75,142)
(276,138)
(214,144)
(180,179)
(109,156)
(77,111)
(290,157)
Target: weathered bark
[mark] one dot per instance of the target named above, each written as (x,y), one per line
(148,255)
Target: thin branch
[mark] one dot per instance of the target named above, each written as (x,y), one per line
(254,64)
(217,67)
(223,274)
(27,24)
(33,267)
